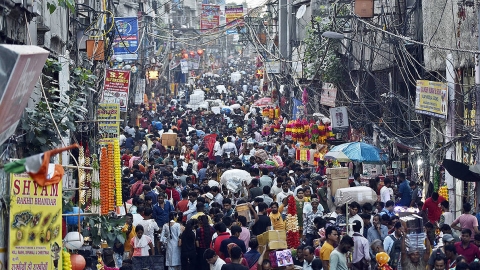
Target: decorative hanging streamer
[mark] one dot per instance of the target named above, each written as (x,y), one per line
(88,180)
(111,179)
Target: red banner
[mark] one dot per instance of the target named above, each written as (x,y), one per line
(210,140)
(115,89)
(210,17)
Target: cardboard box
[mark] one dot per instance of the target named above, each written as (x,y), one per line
(243,210)
(169,139)
(339,183)
(273,239)
(364,8)
(336,173)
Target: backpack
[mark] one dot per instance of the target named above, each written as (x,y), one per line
(395,251)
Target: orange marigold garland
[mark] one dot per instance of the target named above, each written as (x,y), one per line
(291,224)
(107,183)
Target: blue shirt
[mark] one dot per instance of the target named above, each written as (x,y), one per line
(406,192)
(161,214)
(129,143)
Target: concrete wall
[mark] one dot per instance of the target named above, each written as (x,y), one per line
(445,18)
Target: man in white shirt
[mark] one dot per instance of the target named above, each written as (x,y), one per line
(283,194)
(149,224)
(217,151)
(229,147)
(385,192)
(353,214)
(192,205)
(213,260)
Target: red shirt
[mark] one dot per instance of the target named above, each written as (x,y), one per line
(434,210)
(182,206)
(126,160)
(218,242)
(171,192)
(470,253)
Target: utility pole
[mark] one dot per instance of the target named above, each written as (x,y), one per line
(450,132)
(477,99)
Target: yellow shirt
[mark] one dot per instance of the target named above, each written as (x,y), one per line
(127,245)
(325,252)
(197,215)
(277,221)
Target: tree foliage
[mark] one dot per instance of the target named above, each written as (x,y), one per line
(38,123)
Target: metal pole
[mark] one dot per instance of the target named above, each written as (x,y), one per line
(477,100)
(450,129)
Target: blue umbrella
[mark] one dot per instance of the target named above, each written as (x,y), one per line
(361,152)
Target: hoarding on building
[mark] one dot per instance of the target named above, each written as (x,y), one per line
(210,17)
(431,98)
(139,91)
(35,224)
(115,89)
(125,42)
(272,67)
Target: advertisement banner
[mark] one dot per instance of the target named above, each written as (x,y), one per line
(125,43)
(273,67)
(109,130)
(115,89)
(35,223)
(139,91)
(20,68)
(234,16)
(339,118)
(298,109)
(432,98)
(329,95)
(210,17)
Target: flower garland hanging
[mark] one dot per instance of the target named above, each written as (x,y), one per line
(95,184)
(81,176)
(88,180)
(291,224)
(111,179)
(118,174)
(67,263)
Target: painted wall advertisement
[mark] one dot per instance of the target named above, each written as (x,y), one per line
(210,17)
(126,37)
(329,95)
(116,87)
(109,130)
(234,16)
(431,98)
(35,224)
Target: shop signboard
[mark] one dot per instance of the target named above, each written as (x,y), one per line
(139,91)
(298,109)
(272,67)
(210,17)
(110,129)
(35,223)
(339,118)
(234,16)
(431,98)
(329,95)
(20,68)
(115,89)
(125,42)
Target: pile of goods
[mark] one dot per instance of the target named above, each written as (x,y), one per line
(309,132)
(415,236)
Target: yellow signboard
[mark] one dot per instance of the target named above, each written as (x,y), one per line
(35,225)
(431,98)
(110,128)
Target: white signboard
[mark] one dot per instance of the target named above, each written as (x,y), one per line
(339,118)
(184,66)
(140,91)
(329,95)
(272,67)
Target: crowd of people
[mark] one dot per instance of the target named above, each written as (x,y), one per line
(178,207)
